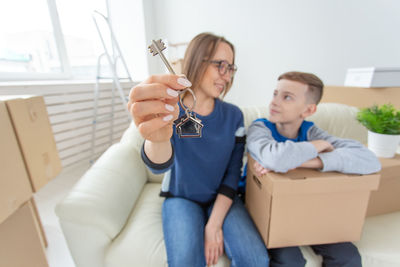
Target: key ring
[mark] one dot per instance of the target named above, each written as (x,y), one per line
(188,126)
(187,110)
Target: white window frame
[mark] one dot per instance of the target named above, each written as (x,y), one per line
(66,73)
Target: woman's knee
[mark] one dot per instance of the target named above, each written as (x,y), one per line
(243,244)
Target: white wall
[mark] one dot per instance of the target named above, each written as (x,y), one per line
(272,37)
(127,19)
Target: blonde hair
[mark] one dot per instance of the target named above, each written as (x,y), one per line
(202,48)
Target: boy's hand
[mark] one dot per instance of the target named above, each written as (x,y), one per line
(322,146)
(259,170)
(315,163)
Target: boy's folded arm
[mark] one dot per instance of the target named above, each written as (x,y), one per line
(314,163)
(348,156)
(277,156)
(350,161)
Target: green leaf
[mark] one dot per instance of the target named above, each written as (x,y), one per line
(384,119)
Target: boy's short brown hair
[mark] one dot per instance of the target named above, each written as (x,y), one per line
(315,85)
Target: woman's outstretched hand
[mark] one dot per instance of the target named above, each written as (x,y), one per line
(153,105)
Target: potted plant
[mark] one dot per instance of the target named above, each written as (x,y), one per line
(383,124)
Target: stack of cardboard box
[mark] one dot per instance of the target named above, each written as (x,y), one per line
(28,160)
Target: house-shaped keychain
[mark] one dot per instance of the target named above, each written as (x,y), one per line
(188,126)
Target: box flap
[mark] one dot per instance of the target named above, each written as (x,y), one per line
(10,97)
(15,188)
(32,127)
(306,181)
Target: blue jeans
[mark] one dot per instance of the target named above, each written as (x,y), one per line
(334,255)
(183,225)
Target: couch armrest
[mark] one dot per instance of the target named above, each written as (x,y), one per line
(87,245)
(106,194)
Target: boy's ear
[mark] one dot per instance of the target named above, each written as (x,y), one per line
(310,109)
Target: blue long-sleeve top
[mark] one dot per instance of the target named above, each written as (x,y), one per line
(200,168)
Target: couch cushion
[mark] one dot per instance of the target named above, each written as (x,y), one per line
(252,113)
(380,241)
(141,242)
(379,245)
(339,120)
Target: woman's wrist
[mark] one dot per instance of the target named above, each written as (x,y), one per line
(214,223)
(220,209)
(158,152)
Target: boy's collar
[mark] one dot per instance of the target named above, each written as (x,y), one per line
(301,135)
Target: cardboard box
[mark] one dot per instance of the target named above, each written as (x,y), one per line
(35,137)
(39,223)
(15,188)
(387,198)
(20,244)
(361,97)
(305,207)
(373,77)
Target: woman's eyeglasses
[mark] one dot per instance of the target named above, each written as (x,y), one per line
(223,67)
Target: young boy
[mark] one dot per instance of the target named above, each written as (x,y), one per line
(286,141)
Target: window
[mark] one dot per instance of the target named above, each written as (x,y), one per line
(28,45)
(80,35)
(49,39)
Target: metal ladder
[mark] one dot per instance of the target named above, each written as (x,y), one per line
(112,60)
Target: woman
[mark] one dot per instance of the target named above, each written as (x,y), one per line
(201,214)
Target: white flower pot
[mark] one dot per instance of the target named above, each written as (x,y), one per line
(383,145)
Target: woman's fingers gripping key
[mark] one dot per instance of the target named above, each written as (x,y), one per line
(153,105)
(170,83)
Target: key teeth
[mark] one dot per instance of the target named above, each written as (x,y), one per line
(161,45)
(152,50)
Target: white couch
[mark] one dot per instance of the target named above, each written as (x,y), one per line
(112,217)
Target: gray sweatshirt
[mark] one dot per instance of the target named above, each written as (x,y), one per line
(349,156)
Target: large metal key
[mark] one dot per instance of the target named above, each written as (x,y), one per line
(156,48)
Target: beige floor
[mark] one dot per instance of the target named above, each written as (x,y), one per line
(57,251)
